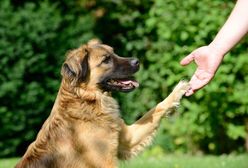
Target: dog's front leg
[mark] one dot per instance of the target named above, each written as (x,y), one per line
(135,137)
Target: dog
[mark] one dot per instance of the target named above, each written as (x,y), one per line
(84,128)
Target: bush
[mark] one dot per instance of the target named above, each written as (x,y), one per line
(33,42)
(35,36)
(161,33)
(213,119)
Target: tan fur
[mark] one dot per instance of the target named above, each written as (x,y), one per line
(84,128)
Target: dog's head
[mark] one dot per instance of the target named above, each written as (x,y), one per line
(96,66)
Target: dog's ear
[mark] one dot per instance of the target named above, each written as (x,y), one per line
(68,72)
(84,69)
(75,68)
(94,41)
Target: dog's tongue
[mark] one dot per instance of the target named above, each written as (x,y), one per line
(128,82)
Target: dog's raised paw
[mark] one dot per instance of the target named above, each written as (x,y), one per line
(180,89)
(173,100)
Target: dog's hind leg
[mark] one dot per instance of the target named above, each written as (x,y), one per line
(135,137)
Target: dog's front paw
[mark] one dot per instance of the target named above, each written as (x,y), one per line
(180,90)
(173,100)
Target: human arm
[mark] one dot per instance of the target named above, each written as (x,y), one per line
(208,58)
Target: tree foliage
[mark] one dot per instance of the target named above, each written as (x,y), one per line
(34,37)
(33,42)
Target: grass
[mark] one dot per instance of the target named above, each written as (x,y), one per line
(171,161)
(8,163)
(184,161)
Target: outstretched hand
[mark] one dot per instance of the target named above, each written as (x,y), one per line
(207,60)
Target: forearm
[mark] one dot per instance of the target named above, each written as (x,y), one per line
(233,30)
(134,138)
(145,126)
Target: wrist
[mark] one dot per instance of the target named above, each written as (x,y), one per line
(218,49)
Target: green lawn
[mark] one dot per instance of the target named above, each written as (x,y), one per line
(8,163)
(171,161)
(183,161)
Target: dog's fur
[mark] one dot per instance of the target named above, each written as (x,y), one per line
(84,128)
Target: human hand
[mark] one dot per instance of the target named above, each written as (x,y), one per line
(207,59)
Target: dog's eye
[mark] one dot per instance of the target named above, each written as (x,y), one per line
(106,60)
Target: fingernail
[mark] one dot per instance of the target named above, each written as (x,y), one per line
(189,93)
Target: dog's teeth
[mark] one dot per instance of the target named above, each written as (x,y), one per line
(111,81)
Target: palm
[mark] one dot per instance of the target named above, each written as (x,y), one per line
(207,62)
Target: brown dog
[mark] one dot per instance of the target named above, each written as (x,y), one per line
(85,128)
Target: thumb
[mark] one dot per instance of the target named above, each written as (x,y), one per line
(186,60)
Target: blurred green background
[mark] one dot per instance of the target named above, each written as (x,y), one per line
(35,36)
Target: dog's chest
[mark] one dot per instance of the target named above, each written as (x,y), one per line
(97,143)
(98,138)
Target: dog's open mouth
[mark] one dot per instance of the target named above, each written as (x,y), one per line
(125,84)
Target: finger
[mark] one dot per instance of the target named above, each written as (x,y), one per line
(189,92)
(196,83)
(186,60)
(200,79)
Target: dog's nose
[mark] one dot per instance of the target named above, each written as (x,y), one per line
(135,62)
